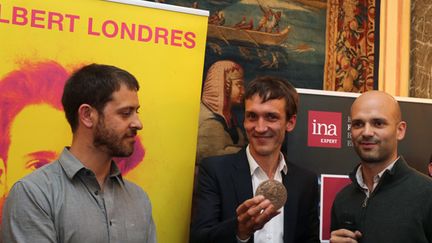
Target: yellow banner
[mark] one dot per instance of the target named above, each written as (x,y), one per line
(42,42)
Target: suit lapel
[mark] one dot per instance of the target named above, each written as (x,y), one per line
(290,208)
(241,177)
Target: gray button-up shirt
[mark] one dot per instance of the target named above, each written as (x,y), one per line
(63,202)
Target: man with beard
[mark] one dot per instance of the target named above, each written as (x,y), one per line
(227,209)
(388,200)
(82,197)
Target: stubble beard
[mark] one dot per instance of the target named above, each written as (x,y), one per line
(375,156)
(112,143)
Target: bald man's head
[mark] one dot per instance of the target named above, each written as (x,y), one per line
(376,127)
(378,99)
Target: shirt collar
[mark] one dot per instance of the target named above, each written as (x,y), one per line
(253,165)
(376,179)
(71,165)
(115,171)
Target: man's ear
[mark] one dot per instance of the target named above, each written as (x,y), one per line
(291,123)
(87,115)
(2,178)
(401,129)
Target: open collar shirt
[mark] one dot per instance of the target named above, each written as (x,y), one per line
(376,179)
(272,230)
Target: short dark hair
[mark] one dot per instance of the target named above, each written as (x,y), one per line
(94,85)
(269,88)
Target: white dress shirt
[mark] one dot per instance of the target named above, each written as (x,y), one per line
(272,232)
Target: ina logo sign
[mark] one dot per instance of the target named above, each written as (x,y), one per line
(324,129)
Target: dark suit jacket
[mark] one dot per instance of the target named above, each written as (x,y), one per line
(224,182)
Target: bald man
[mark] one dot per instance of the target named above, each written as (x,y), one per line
(388,201)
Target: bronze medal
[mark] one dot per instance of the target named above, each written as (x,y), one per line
(274,191)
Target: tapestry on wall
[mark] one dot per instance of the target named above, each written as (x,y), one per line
(420,84)
(352,34)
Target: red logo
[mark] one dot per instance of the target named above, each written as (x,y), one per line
(324,129)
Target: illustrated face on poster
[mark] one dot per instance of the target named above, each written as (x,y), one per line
(35,129)
(38,134)
(30,118)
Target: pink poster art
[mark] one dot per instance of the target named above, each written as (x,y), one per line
(33,130)
(330,186)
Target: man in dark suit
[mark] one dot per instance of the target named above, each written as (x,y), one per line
(226,209)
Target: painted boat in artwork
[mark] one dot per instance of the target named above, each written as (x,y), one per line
(257,38)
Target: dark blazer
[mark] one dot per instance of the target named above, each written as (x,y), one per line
(224,182)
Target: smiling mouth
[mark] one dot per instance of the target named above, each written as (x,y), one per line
(262,139)
(368,145)
(262,136)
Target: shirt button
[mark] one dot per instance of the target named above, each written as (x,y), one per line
(96,193)
(110,223)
